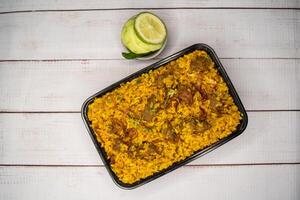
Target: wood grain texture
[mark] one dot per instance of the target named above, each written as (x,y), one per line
(258,39)
(62,139)
(20,5)
(263,84)
(245,182)
(96,34)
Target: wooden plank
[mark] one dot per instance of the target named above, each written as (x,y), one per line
(19,5)
(244,182)
(62,139)
(263,84)
(96,34)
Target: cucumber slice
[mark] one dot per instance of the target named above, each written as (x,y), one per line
(150,28)
(127,38)
(133,42)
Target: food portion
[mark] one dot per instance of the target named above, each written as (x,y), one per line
(134,43)
(163,116)
(150,28)
(143,34)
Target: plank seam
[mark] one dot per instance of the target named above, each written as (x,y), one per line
(78,112)
(191,165)
(166,8)
(116,59)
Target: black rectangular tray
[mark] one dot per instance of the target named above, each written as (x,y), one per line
(241,127)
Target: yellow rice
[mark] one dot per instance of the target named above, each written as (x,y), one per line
(163,116)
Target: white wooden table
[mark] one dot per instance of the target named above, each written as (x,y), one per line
(56,53)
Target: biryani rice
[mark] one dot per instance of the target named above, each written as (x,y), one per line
(163,116)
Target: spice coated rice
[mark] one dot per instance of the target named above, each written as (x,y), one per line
(163,116)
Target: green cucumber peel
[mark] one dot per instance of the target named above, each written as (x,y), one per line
(131,55)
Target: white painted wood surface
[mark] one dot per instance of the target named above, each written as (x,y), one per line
(263,84)
(250,33)
(61,139)
(241,182)
(21,5)
(46,154)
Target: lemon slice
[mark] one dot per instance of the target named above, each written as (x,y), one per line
(132,42)
(149,28)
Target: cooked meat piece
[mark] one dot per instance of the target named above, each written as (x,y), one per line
(149,111)
(131,133)
(119,123)
(220,110)
(200,63)
(117,126)
(147,114)
(200,77)
(153,148)
(145,153)
(213,104)
(202,92)
(170,133)
(173,137)
(202,115)
(213,101)
(185,95)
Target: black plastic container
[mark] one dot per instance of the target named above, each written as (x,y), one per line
(241,127)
